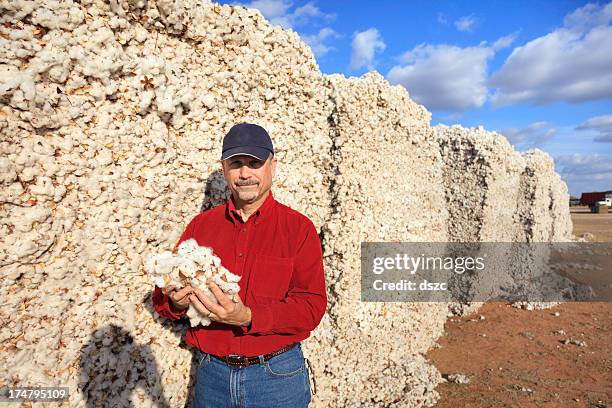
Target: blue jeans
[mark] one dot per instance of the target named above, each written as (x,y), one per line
(281,382)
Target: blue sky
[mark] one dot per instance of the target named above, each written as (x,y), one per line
(539,72)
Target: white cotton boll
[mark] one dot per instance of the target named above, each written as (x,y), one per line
(111,88)
(28,88)
(43,187)
(224,284)
(187,247)
(158,265)
(202,256)
(76,15)
(116,8)
(30,215)
(7,172)
(208,270)
(195,318)
(230,276)
(22,53)
(192,314)
(104,157)
(209,101)
(58,73)
(29,173)
(151,65)
(97,91)
(141,35)
(165,266)
(25,247)
(230,287)
(198,281)
(51,167)
(159,282)
(233,278)
(102,36)
(146,97)
(165,100)
(133,212)
(8,83)
(76,52)
(187,267)
(149,265)
(186,96)
(86,295)
(166,256)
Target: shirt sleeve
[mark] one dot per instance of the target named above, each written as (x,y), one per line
(161,303)
(306,301)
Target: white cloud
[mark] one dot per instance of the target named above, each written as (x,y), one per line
(365,45)
(570,64)
(601,126)
(302,14)
(466,23)
(589,16)
(442,19)
(585,172)
(277,12)
(446,77)
(534,135)
(317,41)
(586,165)
(504,41)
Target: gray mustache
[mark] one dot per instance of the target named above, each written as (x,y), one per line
(246,182)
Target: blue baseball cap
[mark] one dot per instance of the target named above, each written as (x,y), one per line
(247,139)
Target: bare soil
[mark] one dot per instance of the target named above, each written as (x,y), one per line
(600,225)
(519,358)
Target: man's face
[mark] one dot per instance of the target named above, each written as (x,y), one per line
(249,178)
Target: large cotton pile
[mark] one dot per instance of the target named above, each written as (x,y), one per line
(386,189)
(111,118)
(496,194)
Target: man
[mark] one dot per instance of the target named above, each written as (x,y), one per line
(251,355)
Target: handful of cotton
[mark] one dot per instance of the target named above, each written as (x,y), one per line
(192,265)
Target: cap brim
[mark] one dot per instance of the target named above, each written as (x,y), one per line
(256,152)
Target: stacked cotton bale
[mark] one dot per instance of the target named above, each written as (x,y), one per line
(544,204)
(562,221)
(543,209)
(387,189)
(111,120)
(482,175)
(496,195)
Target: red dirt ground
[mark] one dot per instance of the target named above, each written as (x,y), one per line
(517,358)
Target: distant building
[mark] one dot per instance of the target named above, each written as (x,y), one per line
(593,197)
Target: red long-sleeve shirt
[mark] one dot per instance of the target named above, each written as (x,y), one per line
(277,253)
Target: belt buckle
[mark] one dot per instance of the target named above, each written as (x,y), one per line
(237,360)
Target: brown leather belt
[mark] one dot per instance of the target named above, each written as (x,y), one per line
(235,360)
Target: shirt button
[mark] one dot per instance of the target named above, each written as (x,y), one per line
(243,230)
(256,222)
(240,254)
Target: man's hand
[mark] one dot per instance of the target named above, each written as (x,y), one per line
(179,299)
(227,311)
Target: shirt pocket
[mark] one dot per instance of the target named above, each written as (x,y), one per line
(272,276)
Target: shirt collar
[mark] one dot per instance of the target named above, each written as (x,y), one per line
(259,215)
